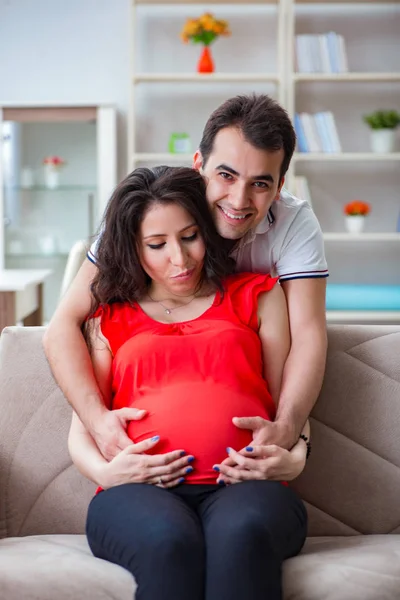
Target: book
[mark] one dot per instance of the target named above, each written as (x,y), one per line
(311,133)
(333,132)
(301,136)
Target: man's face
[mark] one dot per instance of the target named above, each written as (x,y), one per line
(242,182)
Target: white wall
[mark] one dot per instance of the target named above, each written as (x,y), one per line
(66,52)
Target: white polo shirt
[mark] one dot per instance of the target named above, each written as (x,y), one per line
(287,243)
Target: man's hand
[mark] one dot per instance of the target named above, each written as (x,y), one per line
(261,463)
(109,430)
(275,439)
(268,432)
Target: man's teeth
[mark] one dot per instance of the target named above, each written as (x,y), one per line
(231,216)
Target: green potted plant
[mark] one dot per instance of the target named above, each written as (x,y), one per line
(383,124)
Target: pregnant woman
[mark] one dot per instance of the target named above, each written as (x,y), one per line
(177,336)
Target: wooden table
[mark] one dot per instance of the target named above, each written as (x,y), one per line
(21,296)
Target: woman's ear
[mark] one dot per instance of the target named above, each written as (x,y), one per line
(197,161)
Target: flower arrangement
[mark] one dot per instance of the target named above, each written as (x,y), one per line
(204,30)
(54,161)
(357,208)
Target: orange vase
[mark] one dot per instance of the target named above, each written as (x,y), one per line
(206,63)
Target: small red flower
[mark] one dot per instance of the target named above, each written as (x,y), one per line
(55,161)
(357,207)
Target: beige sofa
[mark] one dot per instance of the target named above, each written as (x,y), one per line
(351,484)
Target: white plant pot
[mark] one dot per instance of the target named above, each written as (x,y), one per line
(51,177)
(355,224)
(383,140)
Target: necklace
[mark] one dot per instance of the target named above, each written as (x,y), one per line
(167,310)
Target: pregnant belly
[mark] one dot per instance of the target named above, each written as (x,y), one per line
(197,418)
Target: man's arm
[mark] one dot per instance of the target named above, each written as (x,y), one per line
(264,458)
(305,366)
(69,359)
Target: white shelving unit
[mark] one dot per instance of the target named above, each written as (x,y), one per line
(335,179)
(345,157)
(38,224)
(359,317)
(361,237)
(214,84)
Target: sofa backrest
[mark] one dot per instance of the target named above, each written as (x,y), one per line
(351,483)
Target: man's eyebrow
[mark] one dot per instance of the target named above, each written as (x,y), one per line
(153,235)
(264,177)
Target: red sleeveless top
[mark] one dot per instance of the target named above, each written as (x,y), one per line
(192,377)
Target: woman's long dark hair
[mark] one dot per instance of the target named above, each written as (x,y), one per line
(120,276)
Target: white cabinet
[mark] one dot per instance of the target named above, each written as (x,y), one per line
(39,224)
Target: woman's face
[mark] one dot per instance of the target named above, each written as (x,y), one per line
(171,249)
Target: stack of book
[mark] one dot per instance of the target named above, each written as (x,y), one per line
(324,53)
(317,133)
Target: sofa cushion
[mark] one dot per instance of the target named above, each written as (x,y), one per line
(59,567)
(362,567)
(45,567)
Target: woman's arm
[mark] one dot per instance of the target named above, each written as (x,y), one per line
(82,448)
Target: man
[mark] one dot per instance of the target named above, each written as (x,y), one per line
(244,154)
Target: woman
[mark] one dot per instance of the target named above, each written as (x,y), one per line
(175,334)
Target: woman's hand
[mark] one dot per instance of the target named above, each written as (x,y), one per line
(271,463)
(132,466)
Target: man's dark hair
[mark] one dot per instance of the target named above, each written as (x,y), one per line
(262,121)
(120,276)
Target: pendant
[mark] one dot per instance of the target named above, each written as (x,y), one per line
(167,310)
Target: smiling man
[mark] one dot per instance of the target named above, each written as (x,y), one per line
(244,154)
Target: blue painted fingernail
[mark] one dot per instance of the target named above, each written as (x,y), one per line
(191,459)
(249,449)
(155,438)
(216,469)
(228,450)
(189,469)
(181,480)
(221,482)
(183,453)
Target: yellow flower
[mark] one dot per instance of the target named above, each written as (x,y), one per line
(207,22)
(204,26)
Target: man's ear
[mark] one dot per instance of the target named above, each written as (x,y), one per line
(197,161)
(282,181)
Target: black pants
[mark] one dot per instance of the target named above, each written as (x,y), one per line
(199,542)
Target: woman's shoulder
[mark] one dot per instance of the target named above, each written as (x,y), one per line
(247,281)
(114,311)
(243,291)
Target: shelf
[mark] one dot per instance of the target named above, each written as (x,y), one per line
(36,255)
(363,316)
(61,188)
(378,2)
(206,2)
(164,158)
(345,156)
(205,78)
(357,77)
(361,237)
